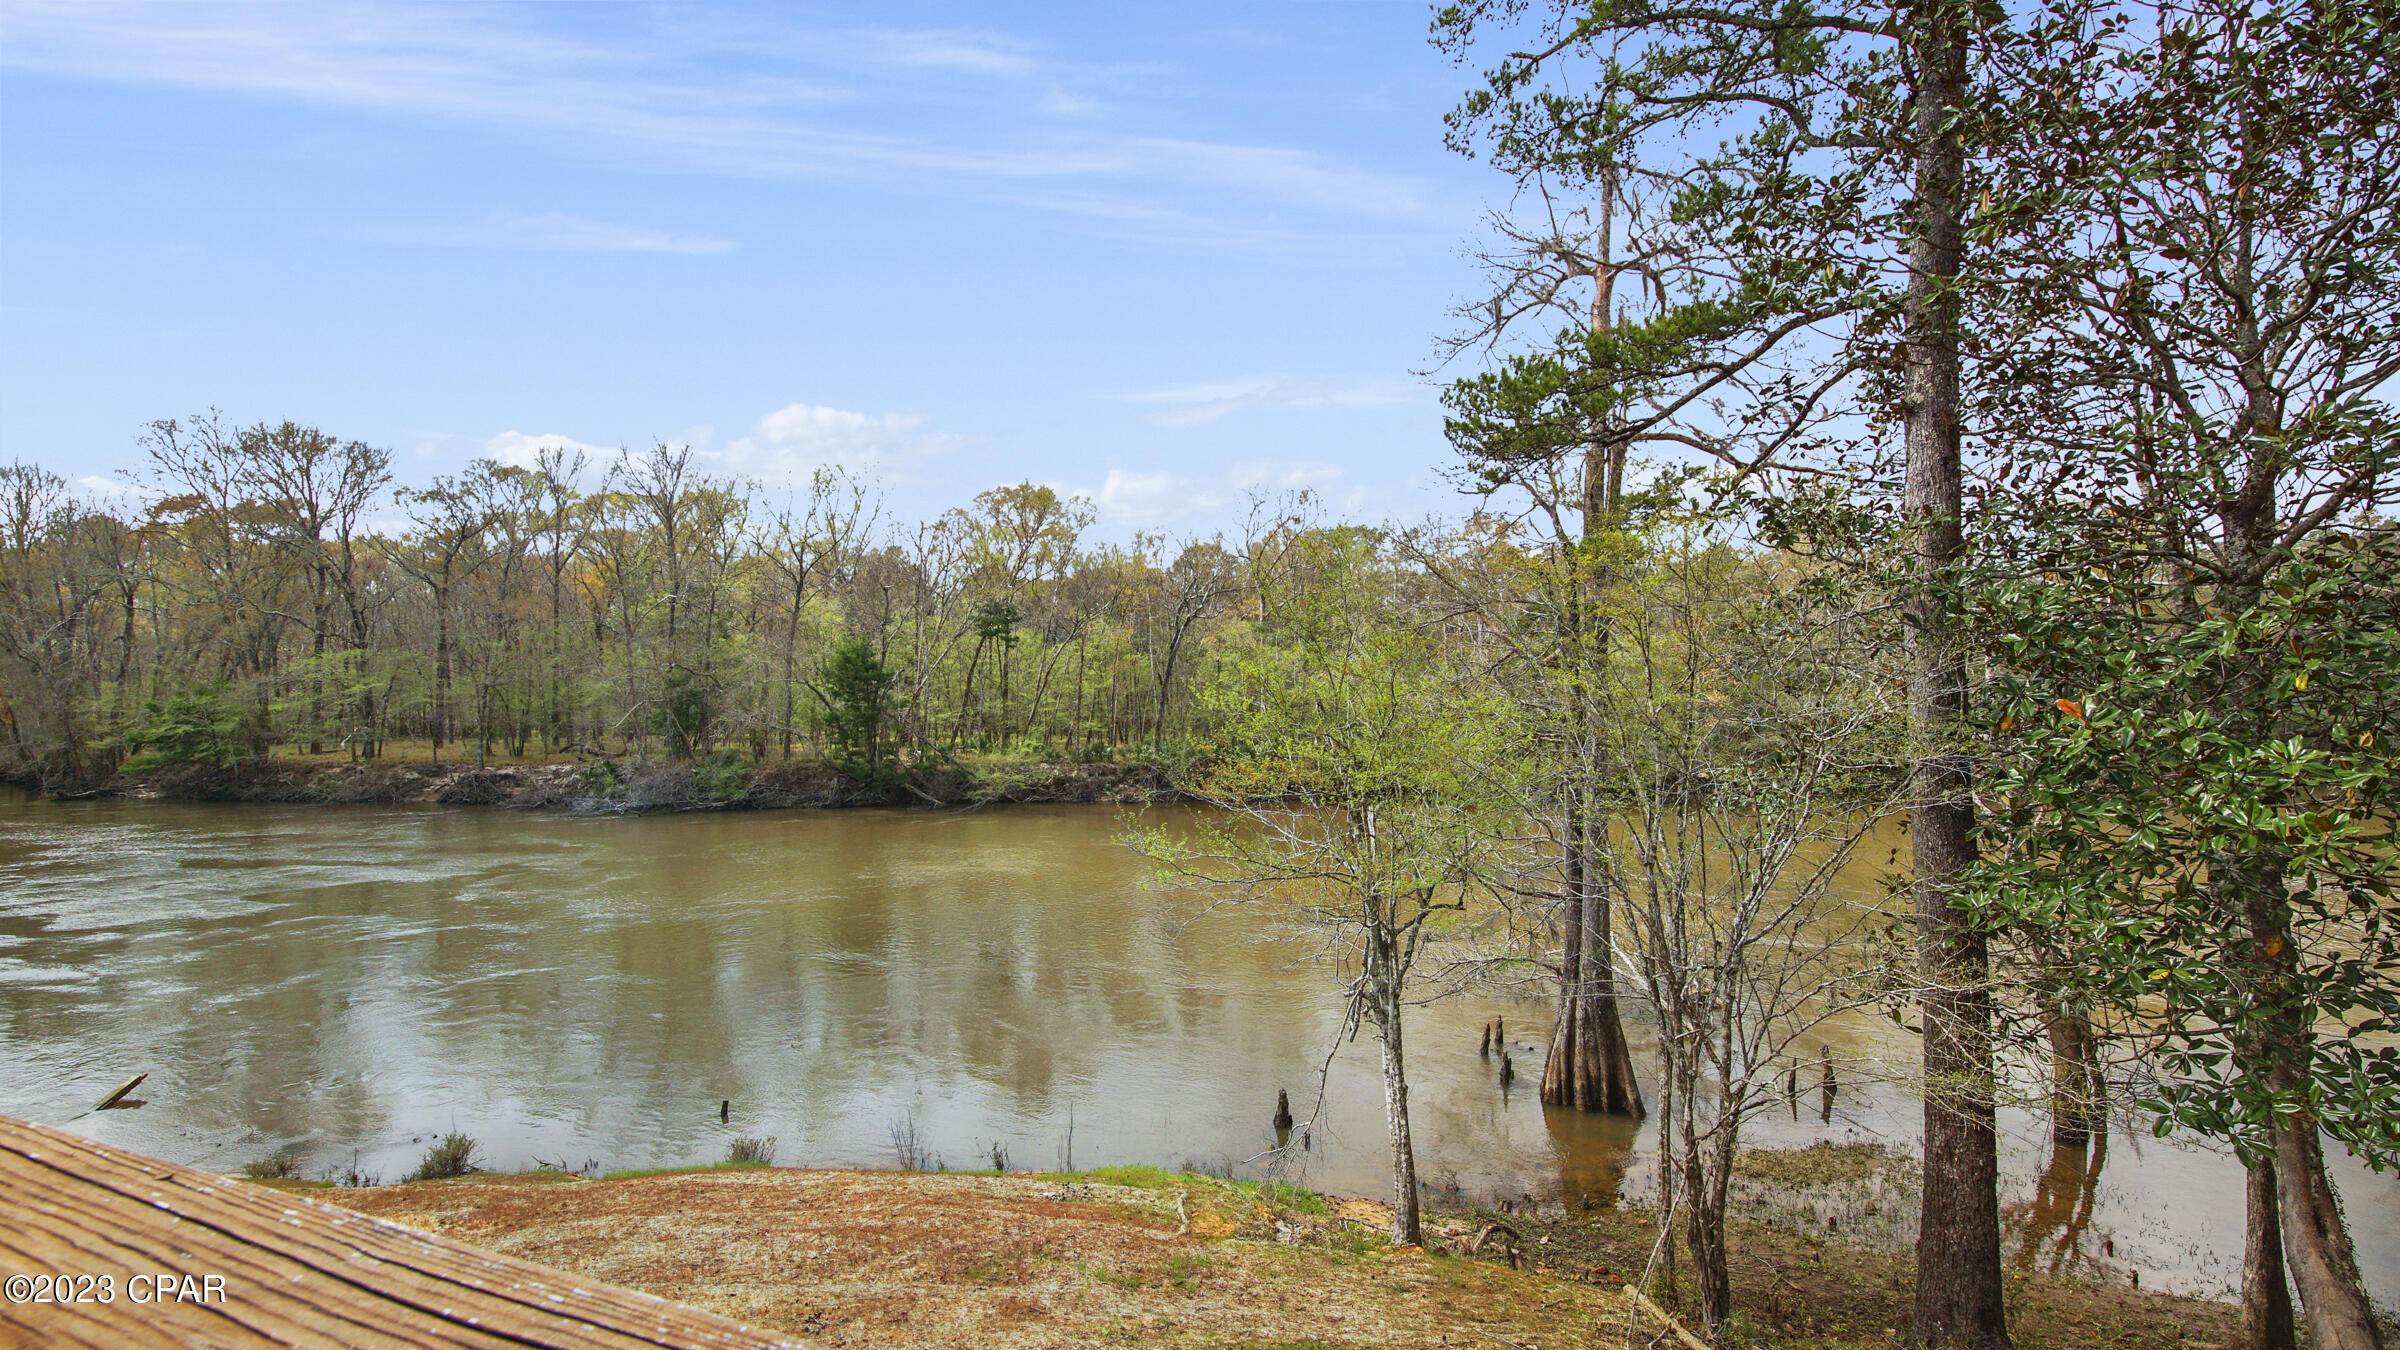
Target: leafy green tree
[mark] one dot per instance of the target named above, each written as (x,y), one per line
(2188,342)
(201,729)
(2195,809)
(857,690)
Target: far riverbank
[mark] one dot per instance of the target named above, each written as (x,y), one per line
(628,785)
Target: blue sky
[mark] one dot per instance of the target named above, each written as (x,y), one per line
(1153,253)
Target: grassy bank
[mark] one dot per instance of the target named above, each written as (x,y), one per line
(1144,1256)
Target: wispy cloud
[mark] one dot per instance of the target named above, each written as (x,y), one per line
(1200,404)
(965,51)
(961,111)
(558,232)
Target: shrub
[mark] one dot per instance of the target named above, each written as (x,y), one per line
(723,776)
(452,1156)
(281,1165)
(185,730)
(748,1152)
(860,699)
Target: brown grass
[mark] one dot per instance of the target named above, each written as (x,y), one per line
(913,1259)
(901,1259)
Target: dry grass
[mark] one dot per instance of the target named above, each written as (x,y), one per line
(899,1259)
(1138,1256)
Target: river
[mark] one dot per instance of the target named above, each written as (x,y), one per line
(349,982)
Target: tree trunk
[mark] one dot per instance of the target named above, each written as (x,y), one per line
(966,697)
(791,674)
(2316,1243)
(1959,1290)
(316,672)
(1075,727)
(441,671)
(1590,1066)
(1705,1204)
(1661,1271)
(1407,1227)
(2266,1299)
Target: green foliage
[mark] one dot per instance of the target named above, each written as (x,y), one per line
(186,730)
(602,777)
(688,711)
(2195,812)
(723,776)
(729,1165)
(997,620)
(1137,1175)
(859,696)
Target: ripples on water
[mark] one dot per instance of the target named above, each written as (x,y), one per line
(352,981)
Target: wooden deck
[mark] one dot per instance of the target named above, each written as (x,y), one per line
(194,1259)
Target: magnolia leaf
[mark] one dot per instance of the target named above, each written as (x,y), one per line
(2300,681)
(2070,707)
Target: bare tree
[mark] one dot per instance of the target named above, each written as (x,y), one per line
(1381,820)
(1749,757)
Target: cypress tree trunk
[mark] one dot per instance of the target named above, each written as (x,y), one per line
(1589,1066)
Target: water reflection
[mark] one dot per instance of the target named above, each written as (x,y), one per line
(2048,1230)
(361,979)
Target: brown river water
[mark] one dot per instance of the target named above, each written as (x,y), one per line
(348,982)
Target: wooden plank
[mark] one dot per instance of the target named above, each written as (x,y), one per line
(121,1089)
(293,1272)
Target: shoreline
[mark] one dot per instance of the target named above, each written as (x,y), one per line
(627,786)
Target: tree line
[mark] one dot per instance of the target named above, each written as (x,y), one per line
(274,592)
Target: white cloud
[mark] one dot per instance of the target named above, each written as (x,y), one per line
(1200,404)
(798,437)
(113,491)
(1060,103)
(1149,500)
(556,231)
(518,449)
(1135,499)
(1284,475)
